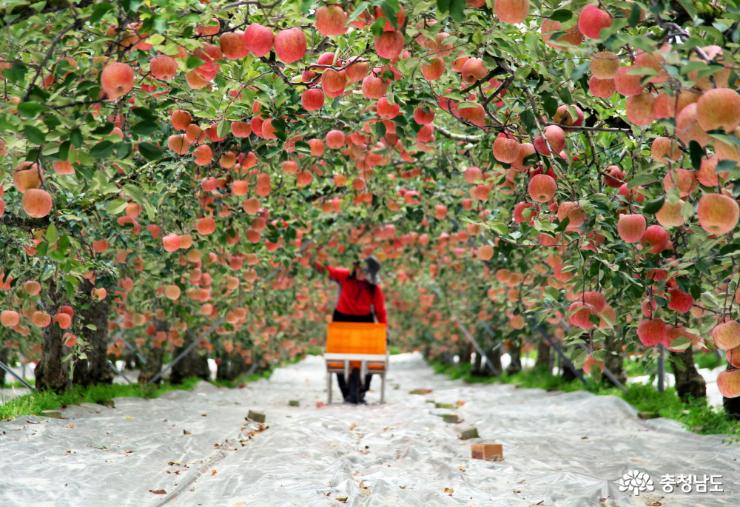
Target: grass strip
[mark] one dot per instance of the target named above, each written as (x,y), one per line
(697,416)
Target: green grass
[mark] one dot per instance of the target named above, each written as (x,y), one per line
(697,416)
(16,384)
(637,367)
(242,379)
(710,360)
(36,402)
(315,350)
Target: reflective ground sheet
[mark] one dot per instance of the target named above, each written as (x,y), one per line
(196,448)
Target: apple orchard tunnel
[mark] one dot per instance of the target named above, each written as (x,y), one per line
(474,252)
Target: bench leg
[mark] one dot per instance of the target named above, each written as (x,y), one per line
(328,386)
(382,388)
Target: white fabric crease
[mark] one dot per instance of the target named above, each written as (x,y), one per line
(183,449)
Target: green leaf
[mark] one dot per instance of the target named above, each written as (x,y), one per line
(51,233)
(456,10)
(634,14)
(192,62)
(144,128)
(99,11)
(150,151)
(390,11)
(116,206)
(102,150)
(563,224)
(144,113)
(549,103)
(688,6)
(652,207)
(379,129)
(697,153)
(63,153)
(16,73)
(34,135)
(30,109)
(528,119)
(75,137)
(728,139)
(155,39)
(561,15)
(359,9)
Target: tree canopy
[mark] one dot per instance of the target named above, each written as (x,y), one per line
(516,165)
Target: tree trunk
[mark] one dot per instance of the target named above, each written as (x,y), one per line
(568,374)
(543,356)
(515,352)
(614,360)
(4,359)
(689,383)
(477,363)
(93,369)
(194,364)
(230,366)
(153,355)
(50,373)
(447,357)
(466,351)
(495,357)
(732,405)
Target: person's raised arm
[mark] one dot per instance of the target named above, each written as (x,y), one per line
(379,304)
(336,274)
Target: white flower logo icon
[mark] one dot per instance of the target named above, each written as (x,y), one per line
(636,481)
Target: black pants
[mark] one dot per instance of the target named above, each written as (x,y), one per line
(353,392)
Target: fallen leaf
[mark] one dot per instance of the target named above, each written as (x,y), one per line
(449,491)
(157,491)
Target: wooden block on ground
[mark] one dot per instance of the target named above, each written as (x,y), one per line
(294,403)
(421,390)
(451,418)
(647,415)
(444,405)
(256,416)
(56,414)
(469,433)
(488,452)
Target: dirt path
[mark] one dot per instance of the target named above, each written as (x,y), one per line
(196,448)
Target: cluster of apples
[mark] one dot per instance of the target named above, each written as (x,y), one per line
(27,298)
(28,179)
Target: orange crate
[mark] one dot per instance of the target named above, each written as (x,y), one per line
(356,338)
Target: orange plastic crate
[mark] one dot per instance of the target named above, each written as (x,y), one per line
(356,338)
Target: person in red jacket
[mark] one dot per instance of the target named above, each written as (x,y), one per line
(360,300)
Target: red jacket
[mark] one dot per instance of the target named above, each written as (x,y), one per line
(356,297)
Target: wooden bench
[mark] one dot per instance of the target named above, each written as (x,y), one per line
(356,345)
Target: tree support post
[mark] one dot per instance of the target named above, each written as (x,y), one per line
(7,368)
(477,346)
(177,359)
(567,362)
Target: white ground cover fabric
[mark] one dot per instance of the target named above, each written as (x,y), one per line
(195,448)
